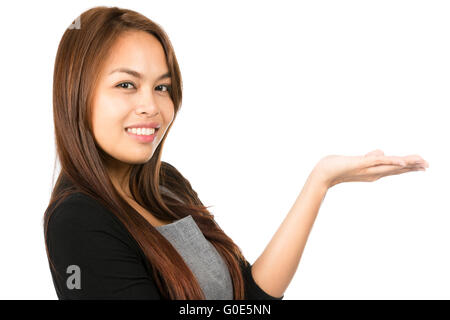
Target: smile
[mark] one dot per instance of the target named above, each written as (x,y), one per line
(142,135)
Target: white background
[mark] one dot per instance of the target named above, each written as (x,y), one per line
(269,89)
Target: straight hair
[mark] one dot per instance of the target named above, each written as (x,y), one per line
(79,58)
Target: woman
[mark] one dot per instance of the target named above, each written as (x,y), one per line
(121,223)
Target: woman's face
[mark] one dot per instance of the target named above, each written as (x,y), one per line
(138,97)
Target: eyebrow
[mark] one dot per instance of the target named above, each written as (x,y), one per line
(139,75)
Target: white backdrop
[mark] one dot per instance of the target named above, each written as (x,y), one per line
(269,89)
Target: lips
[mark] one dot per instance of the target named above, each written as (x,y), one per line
(142,138)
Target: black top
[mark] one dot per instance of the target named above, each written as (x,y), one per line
(83,234)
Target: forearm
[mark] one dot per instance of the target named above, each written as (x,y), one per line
(275,267)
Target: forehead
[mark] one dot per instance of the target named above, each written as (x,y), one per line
(137,50)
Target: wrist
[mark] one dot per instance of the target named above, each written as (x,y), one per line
(320,179)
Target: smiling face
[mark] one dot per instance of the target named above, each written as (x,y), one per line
(138,96)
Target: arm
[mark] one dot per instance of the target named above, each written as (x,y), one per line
(274,269)
(252,290)
(93,259)
(276,266)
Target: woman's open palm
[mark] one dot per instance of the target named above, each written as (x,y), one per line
(335,169)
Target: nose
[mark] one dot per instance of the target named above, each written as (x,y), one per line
(150,111)
(147,104)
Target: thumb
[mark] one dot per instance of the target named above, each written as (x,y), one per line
(377,152)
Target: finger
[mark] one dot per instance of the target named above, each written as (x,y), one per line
(408,161)
(405,170)
(413,160)
(389,170)
(384,160)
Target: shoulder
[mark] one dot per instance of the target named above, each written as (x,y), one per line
(79,209)
(80,215)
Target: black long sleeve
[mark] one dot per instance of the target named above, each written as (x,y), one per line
(83,233)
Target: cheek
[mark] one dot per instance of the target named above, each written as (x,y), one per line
(107,121)
(168,114)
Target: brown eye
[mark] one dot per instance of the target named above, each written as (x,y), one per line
(124,83)
(168,87)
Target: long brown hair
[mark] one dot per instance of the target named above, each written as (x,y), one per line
(77,64)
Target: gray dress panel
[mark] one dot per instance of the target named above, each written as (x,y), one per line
(201,257)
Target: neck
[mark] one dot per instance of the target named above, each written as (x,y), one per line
(119,174)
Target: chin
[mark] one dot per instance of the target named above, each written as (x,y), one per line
(142,160)
(136,156)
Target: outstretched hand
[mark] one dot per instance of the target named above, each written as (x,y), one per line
(334,169)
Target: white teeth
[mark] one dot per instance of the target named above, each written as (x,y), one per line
(142,131)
